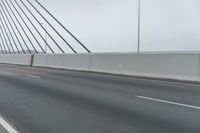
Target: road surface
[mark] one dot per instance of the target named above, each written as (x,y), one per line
(42,100)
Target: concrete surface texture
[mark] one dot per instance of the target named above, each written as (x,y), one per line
(42,100)
(182,66)
(15,59)
(73,61)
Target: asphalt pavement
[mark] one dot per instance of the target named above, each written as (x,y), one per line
(44,100)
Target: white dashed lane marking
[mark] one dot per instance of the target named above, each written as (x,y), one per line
(33,76)
(169,102)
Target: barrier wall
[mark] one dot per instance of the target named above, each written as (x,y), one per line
(182,66)
(15,59)
(70,61)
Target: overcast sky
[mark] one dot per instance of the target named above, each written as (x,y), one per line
(111,25)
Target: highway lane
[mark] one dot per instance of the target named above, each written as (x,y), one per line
(42,100)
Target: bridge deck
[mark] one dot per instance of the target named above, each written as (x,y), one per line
(42,100)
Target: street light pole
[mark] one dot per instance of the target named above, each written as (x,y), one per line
(139,19)
(45,25)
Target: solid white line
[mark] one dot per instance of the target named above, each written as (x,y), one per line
(34,76)
(7,126)
(164,81)
(169,102)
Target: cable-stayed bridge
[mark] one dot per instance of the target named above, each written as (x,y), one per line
(143,92)
(21,23)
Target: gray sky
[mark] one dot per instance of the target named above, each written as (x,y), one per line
(103,25)
(171,25)
(111,25)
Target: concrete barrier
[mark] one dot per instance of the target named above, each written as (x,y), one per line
(15,59)
(181,66)
(69,61)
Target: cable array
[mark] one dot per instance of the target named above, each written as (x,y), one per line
(21,30)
